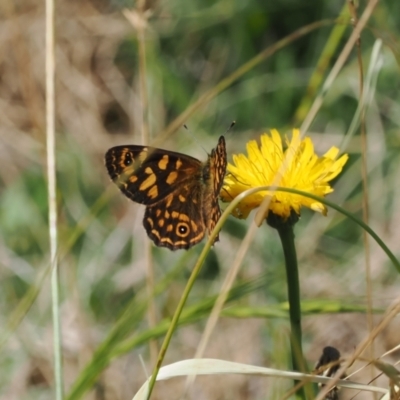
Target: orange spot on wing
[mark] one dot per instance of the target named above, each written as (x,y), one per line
(143,155)
(194,226)
(153,192)
(133,178)
(169,201)
(175,214)
(171,178)
(184,217)
(162,164)
(150,181)
(197,238)
(156,233)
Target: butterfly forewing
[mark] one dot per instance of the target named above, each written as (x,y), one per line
(217,167)
(218,162)
(147,175)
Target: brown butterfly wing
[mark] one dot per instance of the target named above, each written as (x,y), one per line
(217,168)
(177,221)
(147,175)
(218,163)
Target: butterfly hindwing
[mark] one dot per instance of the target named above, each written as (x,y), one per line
(177,221)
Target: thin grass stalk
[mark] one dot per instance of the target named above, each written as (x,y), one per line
(23,306)
(338,65)
(52,200)
(144,128)
(364,180)
(324,61)
(375,66)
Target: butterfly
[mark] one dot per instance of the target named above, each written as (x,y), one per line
(180,192)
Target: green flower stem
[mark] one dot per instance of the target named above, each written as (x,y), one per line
(286,234)
(292,278)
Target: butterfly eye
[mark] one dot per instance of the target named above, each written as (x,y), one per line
(182,229)
(128,159)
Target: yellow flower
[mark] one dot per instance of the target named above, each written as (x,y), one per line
(297,167)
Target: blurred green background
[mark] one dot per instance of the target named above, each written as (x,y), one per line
(190,47)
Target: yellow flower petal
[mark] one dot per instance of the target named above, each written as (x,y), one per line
(297,167)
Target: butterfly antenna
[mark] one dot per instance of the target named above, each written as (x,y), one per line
(194,137)
(233,123)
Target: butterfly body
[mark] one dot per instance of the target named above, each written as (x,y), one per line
(180,192)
